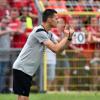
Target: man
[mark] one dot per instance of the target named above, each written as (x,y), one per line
(29,59)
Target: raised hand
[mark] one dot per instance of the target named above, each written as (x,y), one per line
(69,32)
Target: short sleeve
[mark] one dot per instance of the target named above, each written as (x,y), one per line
(41,36)
(54,38)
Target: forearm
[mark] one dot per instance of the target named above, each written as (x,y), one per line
(56,47)
(61,44)
(3,32)
(96,39)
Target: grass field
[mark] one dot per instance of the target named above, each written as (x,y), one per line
(57,96)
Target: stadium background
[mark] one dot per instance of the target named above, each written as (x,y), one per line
(84,67)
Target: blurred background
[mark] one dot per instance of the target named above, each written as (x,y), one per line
(76,68)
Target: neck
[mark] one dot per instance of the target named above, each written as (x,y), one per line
(46,26)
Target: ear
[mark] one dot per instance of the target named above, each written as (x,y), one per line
(49,20)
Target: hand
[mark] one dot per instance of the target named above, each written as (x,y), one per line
(66,32)
(69,32)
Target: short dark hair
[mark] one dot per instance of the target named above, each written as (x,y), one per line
(48,13)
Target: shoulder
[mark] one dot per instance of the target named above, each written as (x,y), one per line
(39,29)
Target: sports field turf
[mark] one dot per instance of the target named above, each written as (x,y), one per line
(57,96)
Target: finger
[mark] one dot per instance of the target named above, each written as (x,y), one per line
(67,27)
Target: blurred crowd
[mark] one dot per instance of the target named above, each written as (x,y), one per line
(21,16)
(89,24)
(18,17)
(73,5)
(79,54)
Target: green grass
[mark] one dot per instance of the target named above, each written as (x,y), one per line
(57,96)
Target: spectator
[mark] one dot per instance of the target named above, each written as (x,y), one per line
(4,55)
(95,71)
(64,63)
(86,46)
(33,13)
(77,58)
(4,8)
(76,24)
(92,30)
(51,65)
(26,20)
(15,25)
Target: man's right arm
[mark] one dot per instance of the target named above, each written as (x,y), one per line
(55,47)
(58,46)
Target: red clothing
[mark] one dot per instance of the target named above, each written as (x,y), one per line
(28,31)
(88,49)
(19,39)
(14,24)
(20,3)
(55,31)
(10,2)
(32,8)
(94,31)
(60,5)
(79,8)
(2,12)
(94,9)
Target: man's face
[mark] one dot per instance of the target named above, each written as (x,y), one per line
(53,20)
